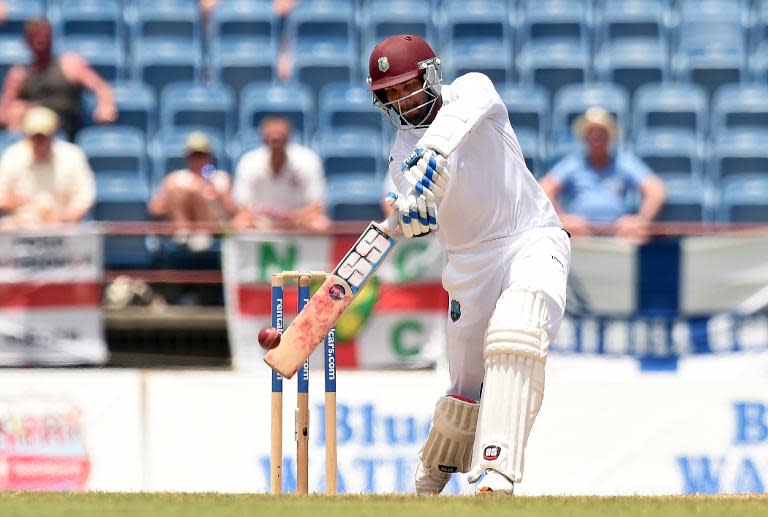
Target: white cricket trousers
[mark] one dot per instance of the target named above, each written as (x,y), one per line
(538,258)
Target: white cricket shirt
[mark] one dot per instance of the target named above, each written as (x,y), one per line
(491,194)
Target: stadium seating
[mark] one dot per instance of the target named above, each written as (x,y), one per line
(318,63)
(238,62)
(528,107)
(178,19)
(556,19)
(388,17)
(344,105)
(351,151)
(490,57)
(198,104)
(473,19)
(292,100)
(322,21)
(739,152)
(243,21)
(686,199)
(669,152)
(645,19)
(554,63)
(136,105)
(740,105)
(89,18)
(18,12)
(671,105)
(632,62)
(355,198)
(161,61)
(745,198)
(115,150)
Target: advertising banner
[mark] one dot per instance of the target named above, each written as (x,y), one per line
(50,298)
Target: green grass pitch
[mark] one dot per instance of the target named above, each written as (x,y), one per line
(18,504)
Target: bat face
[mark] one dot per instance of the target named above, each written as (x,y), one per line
(338,291)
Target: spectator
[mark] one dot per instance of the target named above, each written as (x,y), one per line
(281,185)
(45,180)
(198,194)
(595,182)
(53,81)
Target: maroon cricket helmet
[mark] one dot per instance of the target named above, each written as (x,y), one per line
(397,59)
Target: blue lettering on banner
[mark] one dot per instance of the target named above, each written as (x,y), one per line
(661,336)
(364,426)
(700,475)
(751,423)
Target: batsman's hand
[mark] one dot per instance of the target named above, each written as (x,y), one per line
(417,215)
(427,172)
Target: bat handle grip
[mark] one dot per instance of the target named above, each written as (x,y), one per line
(389,224)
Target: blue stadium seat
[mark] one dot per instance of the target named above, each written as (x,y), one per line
(738,152)
(671,105)
(247,20)
(533,151)
(13,51)
(686,199)
(167,149)
(669,152)
(745,198)
(115,149)
(198,104)
(291,100)
(355,198)
(559,19)
(388,17)
(136,105)
(103,53)
(18,12)
(740,105)
(474,19)
(572,100)
(632,62)
(554,63)
(490,57)
(119,197)
(161,61)
(237,62)
(343,105)
(528,107)
(351,151)
(322,21)
(759,62)
(319,63)
(644,19)
(167,18)
(759,30)
(89,18)
(711,59)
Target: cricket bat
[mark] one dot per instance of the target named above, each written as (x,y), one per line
(338,291)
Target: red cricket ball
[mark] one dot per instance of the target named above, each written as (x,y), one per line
(269,338)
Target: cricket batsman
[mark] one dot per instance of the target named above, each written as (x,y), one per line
(460,174)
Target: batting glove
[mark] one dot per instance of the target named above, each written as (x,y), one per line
(427,173)
(416,215)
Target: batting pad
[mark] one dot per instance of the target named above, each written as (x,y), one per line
(449,444)
(516,345)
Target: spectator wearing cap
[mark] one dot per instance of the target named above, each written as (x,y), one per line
(53,81)
(592,185)
(44,180)
(200,193)
(281,185)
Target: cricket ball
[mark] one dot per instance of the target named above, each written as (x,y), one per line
(269,338)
